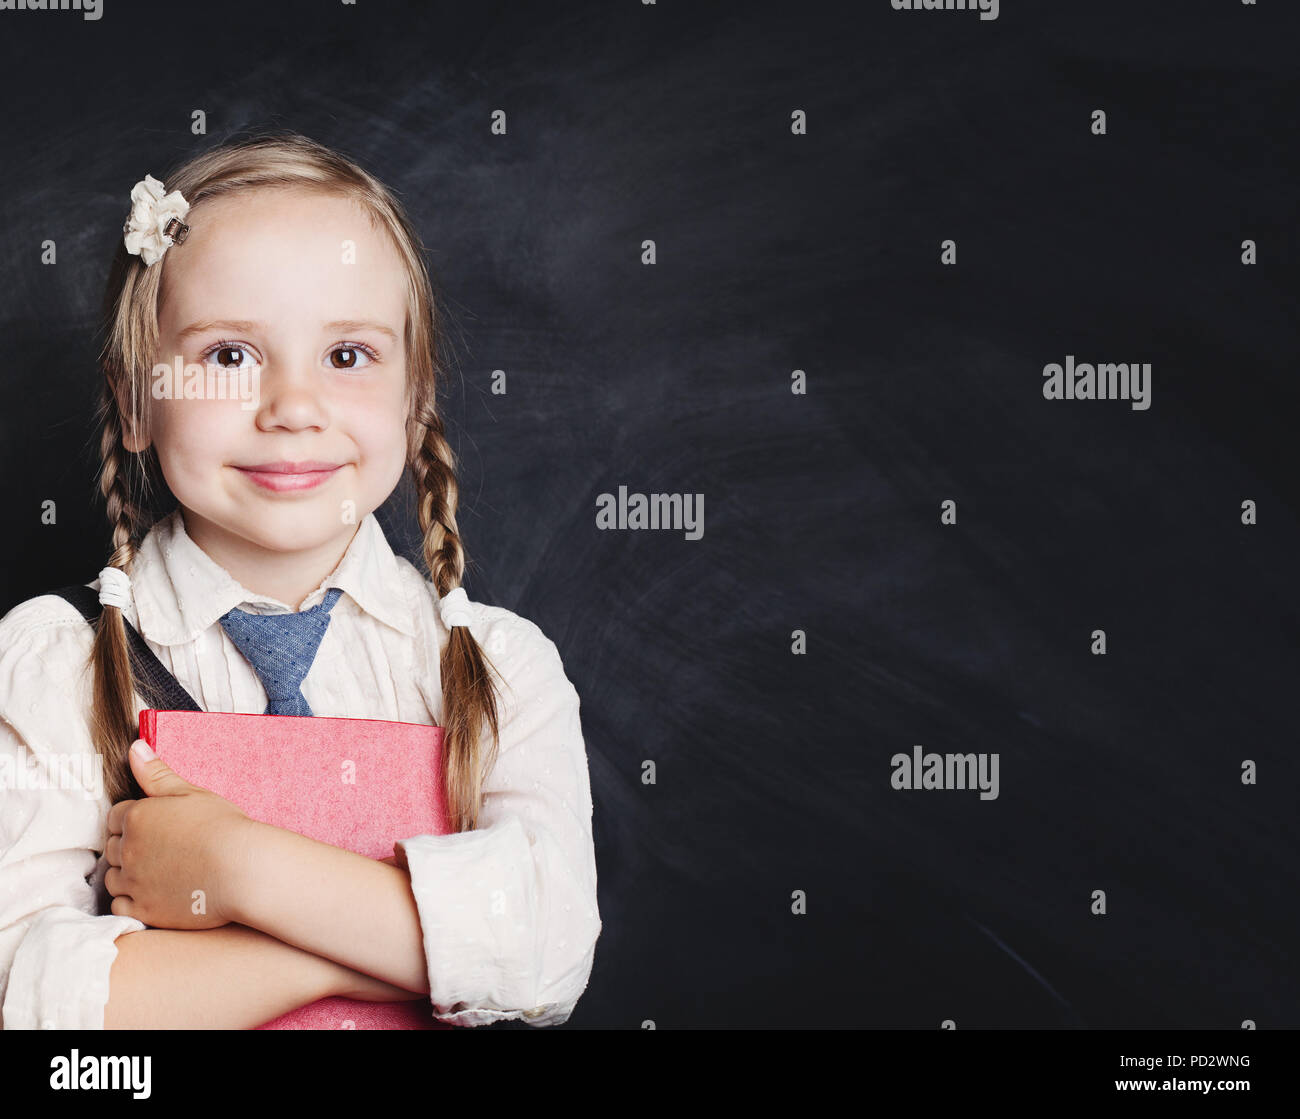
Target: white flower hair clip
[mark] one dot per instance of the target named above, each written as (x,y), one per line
(154,224)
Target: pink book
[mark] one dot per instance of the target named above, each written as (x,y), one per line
(361,784)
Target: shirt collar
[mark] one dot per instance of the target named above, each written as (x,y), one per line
(180,590)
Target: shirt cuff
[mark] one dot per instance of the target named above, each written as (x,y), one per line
(555,1014)
(59,979)
(476,896)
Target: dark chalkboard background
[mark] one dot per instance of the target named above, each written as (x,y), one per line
(817,252)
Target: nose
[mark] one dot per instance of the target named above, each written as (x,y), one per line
(289,398)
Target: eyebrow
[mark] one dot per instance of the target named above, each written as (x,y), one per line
(245,326)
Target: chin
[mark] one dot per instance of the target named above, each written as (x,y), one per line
(284,529)
(285,532)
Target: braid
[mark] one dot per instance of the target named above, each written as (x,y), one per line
(468,691)
(439,494)
(113,718)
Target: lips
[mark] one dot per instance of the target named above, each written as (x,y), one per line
(283,467)
(282,476)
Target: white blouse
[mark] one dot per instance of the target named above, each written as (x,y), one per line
(379,659)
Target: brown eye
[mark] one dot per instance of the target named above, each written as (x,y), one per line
(223,359)
(352,357)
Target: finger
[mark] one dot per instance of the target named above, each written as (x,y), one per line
(113,850)
(156,777)
(115,881)
(116,816)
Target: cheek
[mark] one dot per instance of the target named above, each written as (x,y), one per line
(191,434)
(380,432)
(388,450)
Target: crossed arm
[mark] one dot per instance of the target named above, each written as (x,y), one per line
(332,903)
(285,919)
(296,941)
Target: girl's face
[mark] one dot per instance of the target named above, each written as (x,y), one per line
(294,300)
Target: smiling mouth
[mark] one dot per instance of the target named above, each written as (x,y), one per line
(283,476)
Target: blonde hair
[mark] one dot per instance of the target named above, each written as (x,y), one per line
(128,480)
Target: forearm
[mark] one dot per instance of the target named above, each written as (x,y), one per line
(228,978)
(333,903)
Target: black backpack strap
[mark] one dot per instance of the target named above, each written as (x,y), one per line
(157,687)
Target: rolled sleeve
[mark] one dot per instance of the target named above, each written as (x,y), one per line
(509,912)
(59,976)
(57,934)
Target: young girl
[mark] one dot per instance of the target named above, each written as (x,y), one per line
(297,281)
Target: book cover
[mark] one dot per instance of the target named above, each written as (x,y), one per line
(360,784)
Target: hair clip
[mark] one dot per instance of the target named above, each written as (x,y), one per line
(154,224)
(177,230)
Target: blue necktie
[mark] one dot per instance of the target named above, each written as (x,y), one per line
(281,649)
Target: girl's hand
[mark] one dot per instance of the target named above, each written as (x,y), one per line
(171,856)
